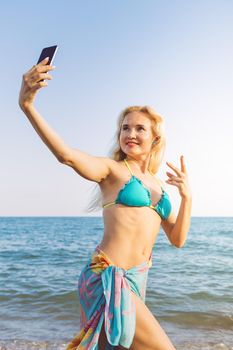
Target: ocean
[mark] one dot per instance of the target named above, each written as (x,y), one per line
(189,290)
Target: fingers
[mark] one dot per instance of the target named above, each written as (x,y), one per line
(183,166)
(41,68)
(43,63)
(172,177)
(35,79)
(38,73)
(39,85)
(42,76)
(176,170)
(169,174)
(31,81)
(180,180)
(181,174)
(173,182)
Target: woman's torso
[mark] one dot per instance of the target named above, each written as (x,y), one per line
(129,231)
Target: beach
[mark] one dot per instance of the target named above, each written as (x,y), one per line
(189,290)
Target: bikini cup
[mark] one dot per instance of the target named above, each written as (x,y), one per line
(134,193)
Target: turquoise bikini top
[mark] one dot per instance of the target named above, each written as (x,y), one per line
(135,194)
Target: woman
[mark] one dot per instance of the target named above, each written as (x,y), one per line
(112,284)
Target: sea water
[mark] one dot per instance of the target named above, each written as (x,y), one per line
(189,291)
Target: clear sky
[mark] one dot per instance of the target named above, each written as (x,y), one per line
(176,56)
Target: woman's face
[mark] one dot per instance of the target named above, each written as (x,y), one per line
(136,135)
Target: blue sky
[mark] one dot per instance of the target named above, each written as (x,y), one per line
(176,56)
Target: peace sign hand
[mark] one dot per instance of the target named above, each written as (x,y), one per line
(181,180)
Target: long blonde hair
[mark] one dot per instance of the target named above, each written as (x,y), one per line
(116,153)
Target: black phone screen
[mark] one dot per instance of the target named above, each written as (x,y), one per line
(48,52)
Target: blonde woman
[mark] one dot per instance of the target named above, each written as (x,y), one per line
(112,285)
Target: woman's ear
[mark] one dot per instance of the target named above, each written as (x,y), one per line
(157,138)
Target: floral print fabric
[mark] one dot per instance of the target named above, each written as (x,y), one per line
(105,297)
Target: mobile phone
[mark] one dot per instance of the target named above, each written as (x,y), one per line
(48,52)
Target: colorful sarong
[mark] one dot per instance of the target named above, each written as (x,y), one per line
(104,293)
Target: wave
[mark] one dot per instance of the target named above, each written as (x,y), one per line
(32,345)
(45,345)
(203,320)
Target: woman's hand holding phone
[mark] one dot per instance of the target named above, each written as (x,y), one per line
(34,80)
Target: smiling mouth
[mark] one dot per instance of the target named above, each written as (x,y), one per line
(131,143)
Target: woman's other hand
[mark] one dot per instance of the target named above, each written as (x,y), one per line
(179,180)
(32,81)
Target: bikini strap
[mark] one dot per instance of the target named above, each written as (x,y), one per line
(126,163)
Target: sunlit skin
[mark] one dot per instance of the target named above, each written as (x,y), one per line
(136,138)
(129,232)
(136,128)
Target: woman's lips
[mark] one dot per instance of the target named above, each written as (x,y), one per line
(131,144)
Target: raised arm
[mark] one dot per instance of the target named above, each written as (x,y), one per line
(176,228)
(87,166)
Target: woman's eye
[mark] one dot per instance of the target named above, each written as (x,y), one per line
(139,128)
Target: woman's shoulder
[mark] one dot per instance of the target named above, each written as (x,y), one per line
(112,163)
(116,169)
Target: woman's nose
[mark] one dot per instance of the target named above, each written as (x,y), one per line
(132,133)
